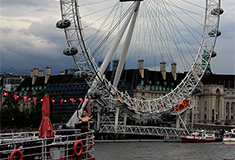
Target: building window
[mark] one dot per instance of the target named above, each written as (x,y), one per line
(204,116)
(142,94)
(213,115)
(227,107)
(232,110)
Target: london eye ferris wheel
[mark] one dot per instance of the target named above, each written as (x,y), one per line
(181,32)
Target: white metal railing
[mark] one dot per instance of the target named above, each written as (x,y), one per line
(143,130)
(58,147)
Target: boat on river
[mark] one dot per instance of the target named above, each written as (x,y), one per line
(199,137)
(66,144)
(229,137)
(47,144)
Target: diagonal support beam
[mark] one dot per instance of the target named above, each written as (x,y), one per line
(117,41)
(126,47)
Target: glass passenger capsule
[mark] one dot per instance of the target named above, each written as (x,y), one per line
(64,23)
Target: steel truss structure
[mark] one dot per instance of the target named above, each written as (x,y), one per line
(143,130)
(110,95)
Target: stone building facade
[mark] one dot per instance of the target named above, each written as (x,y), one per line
(214,104)
(216,101)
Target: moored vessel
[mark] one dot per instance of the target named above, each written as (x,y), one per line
(229,137)
(66,144)
(198,137)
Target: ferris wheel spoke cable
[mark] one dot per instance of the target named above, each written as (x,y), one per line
(172,26)
(174,29)
(135,39)
(106,44)
(103,25)
(183,9)
(152,34)
(169,32)
(188,27)
(186,13)
(163,43)
(184,39)
(194,4)
(99,2)
(186,42)
(152,40)
(111,31)
(94,35)
(176,16)
(142,51)
(101,10)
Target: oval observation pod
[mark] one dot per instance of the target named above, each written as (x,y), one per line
(213,54)
(217,11)
(213,33)
(70,51)
(82,74)
(64,23)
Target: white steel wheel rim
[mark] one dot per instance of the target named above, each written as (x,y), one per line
(75,37)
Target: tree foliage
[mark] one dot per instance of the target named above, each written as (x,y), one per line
(10,113)
(12,117)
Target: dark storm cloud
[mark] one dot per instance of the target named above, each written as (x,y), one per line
(29,38)
(14,3)
(225,48)
(45,30)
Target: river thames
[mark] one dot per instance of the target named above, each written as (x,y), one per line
(164,151)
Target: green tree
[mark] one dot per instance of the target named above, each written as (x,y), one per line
(36,111)
(10,113)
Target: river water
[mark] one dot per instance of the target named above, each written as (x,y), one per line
(164,151)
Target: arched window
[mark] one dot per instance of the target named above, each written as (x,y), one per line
(217,104)
(217,91)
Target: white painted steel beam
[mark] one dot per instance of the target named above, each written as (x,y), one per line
(117,41)
(126,47)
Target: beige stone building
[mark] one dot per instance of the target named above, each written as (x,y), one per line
(214,104)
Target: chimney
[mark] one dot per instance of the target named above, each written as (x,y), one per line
(31,73)
(62,72)
(141,67)
(163,69)
(173,70)
(40,73)
(35,75)
(47,74)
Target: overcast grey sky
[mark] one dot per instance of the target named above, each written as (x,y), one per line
(30,39)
